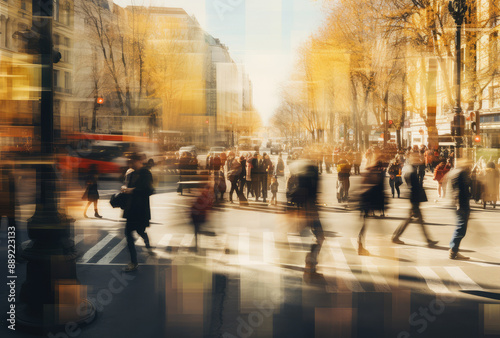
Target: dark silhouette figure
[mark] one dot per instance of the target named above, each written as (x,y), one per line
(138,211)
(91,193)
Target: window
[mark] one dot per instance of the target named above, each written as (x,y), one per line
(23,5)
(67,82)
(57,40)
(56,79)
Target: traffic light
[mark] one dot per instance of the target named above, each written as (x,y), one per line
(100,100)
(475,124)
(477,138)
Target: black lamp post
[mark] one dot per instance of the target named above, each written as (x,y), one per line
(457,9)
(50,296)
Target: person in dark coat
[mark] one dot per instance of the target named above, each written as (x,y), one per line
(417,196)
(137,211)
(461,184)
(256,175)
(372,198)
(307,191)
(91,192)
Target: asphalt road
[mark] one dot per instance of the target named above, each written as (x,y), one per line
(247,281)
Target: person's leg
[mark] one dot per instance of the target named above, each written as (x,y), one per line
(86,208)
(361,236)
(391,184)
(460,230)
(96,212)
(142,232)
(399,231)
(417,213)
(397,184)
(312,257)
(130,242)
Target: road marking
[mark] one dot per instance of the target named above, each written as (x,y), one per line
(268,247)
(113,252)
(187,241)
(244,247)
(295,243)
(96,248)
(344,270)
(379,282)
(79,238)
(432,279)
(465,282)
(164,241)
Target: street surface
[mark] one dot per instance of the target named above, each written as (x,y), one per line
(247,280)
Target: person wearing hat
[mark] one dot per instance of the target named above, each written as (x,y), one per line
(137,210)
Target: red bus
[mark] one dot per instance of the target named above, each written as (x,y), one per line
(107,152)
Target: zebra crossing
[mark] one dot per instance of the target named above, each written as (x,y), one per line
(342,267)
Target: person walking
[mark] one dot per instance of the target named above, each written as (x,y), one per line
(440,173)
(234,173)
(256,175)
(91,194)
(490,180)
(395,179)
(137,211)
(307,191)
(199,211)
(461,185)
(274,190)
(417,196)
(372,198)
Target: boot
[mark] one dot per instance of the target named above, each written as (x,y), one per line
(96,214)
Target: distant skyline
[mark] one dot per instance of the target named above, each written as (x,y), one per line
(261,34)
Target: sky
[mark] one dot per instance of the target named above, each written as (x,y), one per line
(263,35)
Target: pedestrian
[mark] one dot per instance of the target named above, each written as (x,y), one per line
(440,173)
(372,197)
(274,190)
(490,183)
(395,180)
(220,184)
(199,211)
(280,166)
(256,175)
(137,210)
(417,196)
(234,173)
(307,191)
(461,185)
(91,194)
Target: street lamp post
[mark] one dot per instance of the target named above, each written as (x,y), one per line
(457,9)
(51,288)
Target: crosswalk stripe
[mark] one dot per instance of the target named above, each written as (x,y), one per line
(380,283)
(465,282)
(113,252)
(244,247)
(164,241)
(268,249)
(96,248)
(432,279)
(344,270)
(187,241)
(295,243)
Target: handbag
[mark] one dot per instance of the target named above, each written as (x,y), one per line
(118,200)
